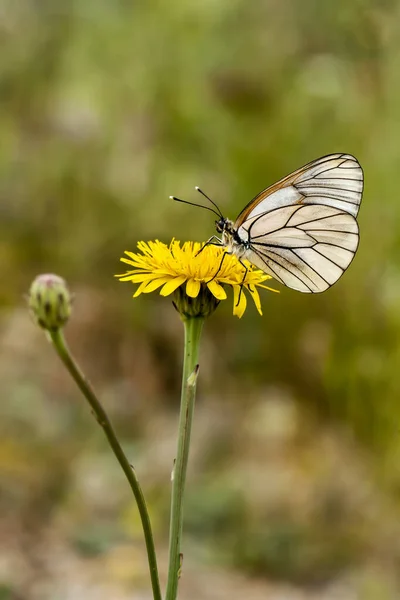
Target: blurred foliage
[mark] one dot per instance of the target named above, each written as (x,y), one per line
(108,107)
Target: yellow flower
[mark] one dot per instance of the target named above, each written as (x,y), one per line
(182,269)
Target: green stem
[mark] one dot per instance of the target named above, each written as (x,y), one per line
(61,347)
(193,327)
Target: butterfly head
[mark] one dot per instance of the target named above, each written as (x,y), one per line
(229,235)
(220,225)
(226,226)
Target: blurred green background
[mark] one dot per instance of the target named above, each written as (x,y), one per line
(107,108)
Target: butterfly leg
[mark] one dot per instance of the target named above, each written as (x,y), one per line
(246,270)
(220,264)
(210,243)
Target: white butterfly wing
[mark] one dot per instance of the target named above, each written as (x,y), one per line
(306,248)
(335,180)
(302,230)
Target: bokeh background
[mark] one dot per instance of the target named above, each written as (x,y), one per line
(107,108)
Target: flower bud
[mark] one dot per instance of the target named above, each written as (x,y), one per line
(49,301)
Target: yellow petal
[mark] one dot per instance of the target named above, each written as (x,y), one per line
(137,277)
(265,287)
(140,289)
(238,309)
(192,288)
(132,255)
(146,247)
(156,283)
(217,290)
(256,297)
(124,276)
(129,261)
(172,285)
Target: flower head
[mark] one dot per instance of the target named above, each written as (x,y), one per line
(49,301)
(198,279)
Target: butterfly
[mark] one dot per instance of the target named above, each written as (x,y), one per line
(301,230)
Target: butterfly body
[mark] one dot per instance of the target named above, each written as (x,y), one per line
(230,238)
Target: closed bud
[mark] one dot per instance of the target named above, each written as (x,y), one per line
(50,301)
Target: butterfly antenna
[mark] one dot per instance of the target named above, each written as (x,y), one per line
(209,199)
(194,204)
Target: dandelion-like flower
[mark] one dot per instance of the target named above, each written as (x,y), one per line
(197,279)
